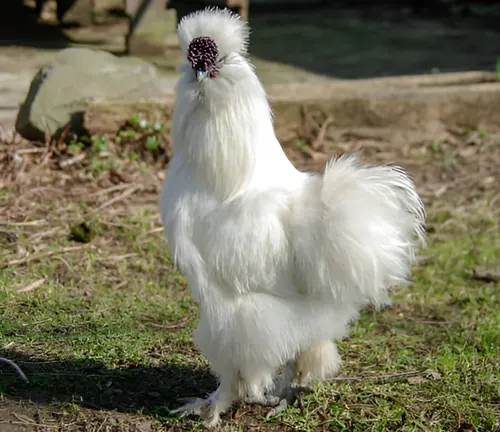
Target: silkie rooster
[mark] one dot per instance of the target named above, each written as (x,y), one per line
(280,261)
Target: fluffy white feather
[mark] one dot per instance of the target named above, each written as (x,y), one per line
(229,32)
(279,261)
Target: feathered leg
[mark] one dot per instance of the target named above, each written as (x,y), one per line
(287,391)
(320,361)
(211,408)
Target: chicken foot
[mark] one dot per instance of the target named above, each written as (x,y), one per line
(209,409)
(286,392)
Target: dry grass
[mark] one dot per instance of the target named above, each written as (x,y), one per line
(100,322)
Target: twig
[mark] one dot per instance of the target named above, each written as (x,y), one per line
(116,199)
(30,223)
(44,255)
(30,150)
(32,286)
(63,135)
(102,424)
(153,231)
(379,377)
(118,257)
(16,368)
(179,325)
(23,419)
(318,142)
(26,421)
(110,189)
(45,233)
(71,161)
(17,423)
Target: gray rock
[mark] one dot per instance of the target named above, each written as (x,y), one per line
(75,11)
(59,92)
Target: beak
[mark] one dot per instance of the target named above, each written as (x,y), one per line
(201,75)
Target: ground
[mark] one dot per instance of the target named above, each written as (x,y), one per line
(101,323)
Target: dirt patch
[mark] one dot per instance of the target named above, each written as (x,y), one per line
(457,170)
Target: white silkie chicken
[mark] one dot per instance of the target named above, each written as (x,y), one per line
(279,261)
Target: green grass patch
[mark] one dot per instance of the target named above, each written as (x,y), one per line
(107,334)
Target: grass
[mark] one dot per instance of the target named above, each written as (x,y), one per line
(101,323)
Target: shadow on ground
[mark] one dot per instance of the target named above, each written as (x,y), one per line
(92,385)
(154,390)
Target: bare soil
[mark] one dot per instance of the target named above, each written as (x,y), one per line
(457,170)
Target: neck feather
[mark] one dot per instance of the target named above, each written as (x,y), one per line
(223,136)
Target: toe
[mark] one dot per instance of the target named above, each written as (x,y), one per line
(191,406)
(267,400)
(212,422)
(282,406)
(304,390)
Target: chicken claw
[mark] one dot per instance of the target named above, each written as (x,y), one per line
(293,396)
(205,408)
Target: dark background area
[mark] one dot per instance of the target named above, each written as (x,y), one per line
(342,39)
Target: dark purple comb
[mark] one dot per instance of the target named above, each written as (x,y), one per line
(202,53)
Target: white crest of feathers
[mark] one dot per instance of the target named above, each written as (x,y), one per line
(226,28)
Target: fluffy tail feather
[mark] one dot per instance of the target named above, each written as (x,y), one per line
(357,231)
